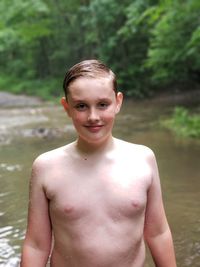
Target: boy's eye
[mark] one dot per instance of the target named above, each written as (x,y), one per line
(81,106)
(103,105)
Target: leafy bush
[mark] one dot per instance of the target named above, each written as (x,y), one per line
(47,89)
(183,124)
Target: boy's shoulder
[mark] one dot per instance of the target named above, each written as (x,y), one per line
(132,148)
(53,155)
(137,153)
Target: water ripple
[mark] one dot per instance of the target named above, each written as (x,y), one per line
(10,168)
(12,262)
(9,251)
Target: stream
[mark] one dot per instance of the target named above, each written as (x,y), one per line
(27,131)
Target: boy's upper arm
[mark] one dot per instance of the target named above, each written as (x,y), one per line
(155,218)
(39,225)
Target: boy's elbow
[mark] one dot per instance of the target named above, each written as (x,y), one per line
(162,231)
(158,237)
(32,254)
(37,243)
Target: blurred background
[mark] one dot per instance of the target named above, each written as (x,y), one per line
(151,45)
(154,49)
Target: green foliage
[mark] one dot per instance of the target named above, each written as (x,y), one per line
(134,36)
(47,89)
(148,43)
(183,124)
(174,42)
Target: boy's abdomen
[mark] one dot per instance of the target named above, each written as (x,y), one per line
(99,255)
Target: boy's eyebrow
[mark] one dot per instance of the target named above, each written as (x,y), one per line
(82,100)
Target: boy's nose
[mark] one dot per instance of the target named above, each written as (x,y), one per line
(93,116)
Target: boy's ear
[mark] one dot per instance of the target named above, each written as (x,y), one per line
(119,99)
(65,105)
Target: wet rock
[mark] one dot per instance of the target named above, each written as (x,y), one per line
(15,119)
(25,120)
(41,132)
(46,133)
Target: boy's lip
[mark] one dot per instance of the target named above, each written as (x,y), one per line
(94,128)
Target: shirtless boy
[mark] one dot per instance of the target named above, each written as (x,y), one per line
(96,201)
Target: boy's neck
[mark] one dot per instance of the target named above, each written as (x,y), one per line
(95,148)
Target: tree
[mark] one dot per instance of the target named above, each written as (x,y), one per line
(23,26)
(175,43)
(150,44)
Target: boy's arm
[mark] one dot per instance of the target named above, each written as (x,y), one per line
(37,243)
(156,231)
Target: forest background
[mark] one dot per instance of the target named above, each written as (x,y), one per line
(151,45)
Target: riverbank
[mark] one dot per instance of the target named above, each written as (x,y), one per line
(12,100)
(168,98)
(29,116)
(188,98)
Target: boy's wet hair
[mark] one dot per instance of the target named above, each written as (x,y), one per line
(88,68)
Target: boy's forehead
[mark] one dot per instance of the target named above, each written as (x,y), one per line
(91,79)
(88,83)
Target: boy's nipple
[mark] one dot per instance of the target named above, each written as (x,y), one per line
(68,209)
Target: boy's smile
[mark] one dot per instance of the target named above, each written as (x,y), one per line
(94,128)
(92,104)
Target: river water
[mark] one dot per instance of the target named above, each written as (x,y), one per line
(27,132)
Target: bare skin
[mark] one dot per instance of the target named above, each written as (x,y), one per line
(97,213)
(99,196)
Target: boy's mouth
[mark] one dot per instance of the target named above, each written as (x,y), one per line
(94,128)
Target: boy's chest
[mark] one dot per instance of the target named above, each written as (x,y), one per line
(115,193)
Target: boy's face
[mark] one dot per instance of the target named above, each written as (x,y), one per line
(92,104)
